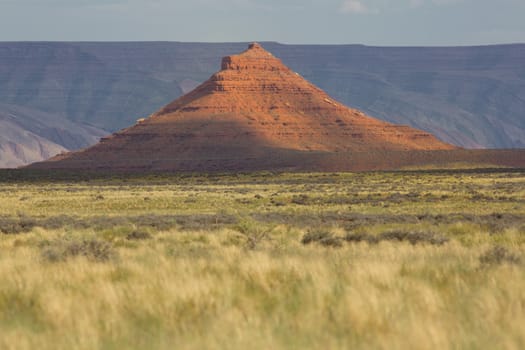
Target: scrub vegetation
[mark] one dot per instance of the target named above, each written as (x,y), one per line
(392,260)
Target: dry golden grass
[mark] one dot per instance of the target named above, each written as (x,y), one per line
(251,283)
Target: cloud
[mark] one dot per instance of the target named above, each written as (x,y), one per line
(417,3)
(353,6)
(381,6)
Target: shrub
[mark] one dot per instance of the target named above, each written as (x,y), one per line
(315,236)
(324,238)
(331,242)
(138,236)
(414,237)
(394,236)
(360,237)
(301,199)
(56,222)
(254,232)
(197,222)
(277,202)
(92,249)
(498,255)
(11,226)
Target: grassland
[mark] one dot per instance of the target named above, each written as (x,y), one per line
(427,260)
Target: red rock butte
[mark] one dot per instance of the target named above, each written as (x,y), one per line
(255,113)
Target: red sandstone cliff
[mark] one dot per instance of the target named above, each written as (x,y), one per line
(254,107)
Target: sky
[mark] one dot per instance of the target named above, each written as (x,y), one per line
(369,22)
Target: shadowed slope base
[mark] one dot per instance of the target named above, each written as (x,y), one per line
(289,160)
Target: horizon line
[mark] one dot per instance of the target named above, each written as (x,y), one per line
(259,41)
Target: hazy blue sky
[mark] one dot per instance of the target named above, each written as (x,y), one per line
(372,22)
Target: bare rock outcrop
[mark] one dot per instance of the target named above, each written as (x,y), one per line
(253,113)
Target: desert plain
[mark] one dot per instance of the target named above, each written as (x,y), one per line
(420,259)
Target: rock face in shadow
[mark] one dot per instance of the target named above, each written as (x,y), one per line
(19,146)
(28,136)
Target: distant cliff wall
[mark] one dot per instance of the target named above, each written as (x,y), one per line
(470,96)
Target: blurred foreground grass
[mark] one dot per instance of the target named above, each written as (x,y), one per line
(427,260)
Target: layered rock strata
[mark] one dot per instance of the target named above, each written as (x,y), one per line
(253,107)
